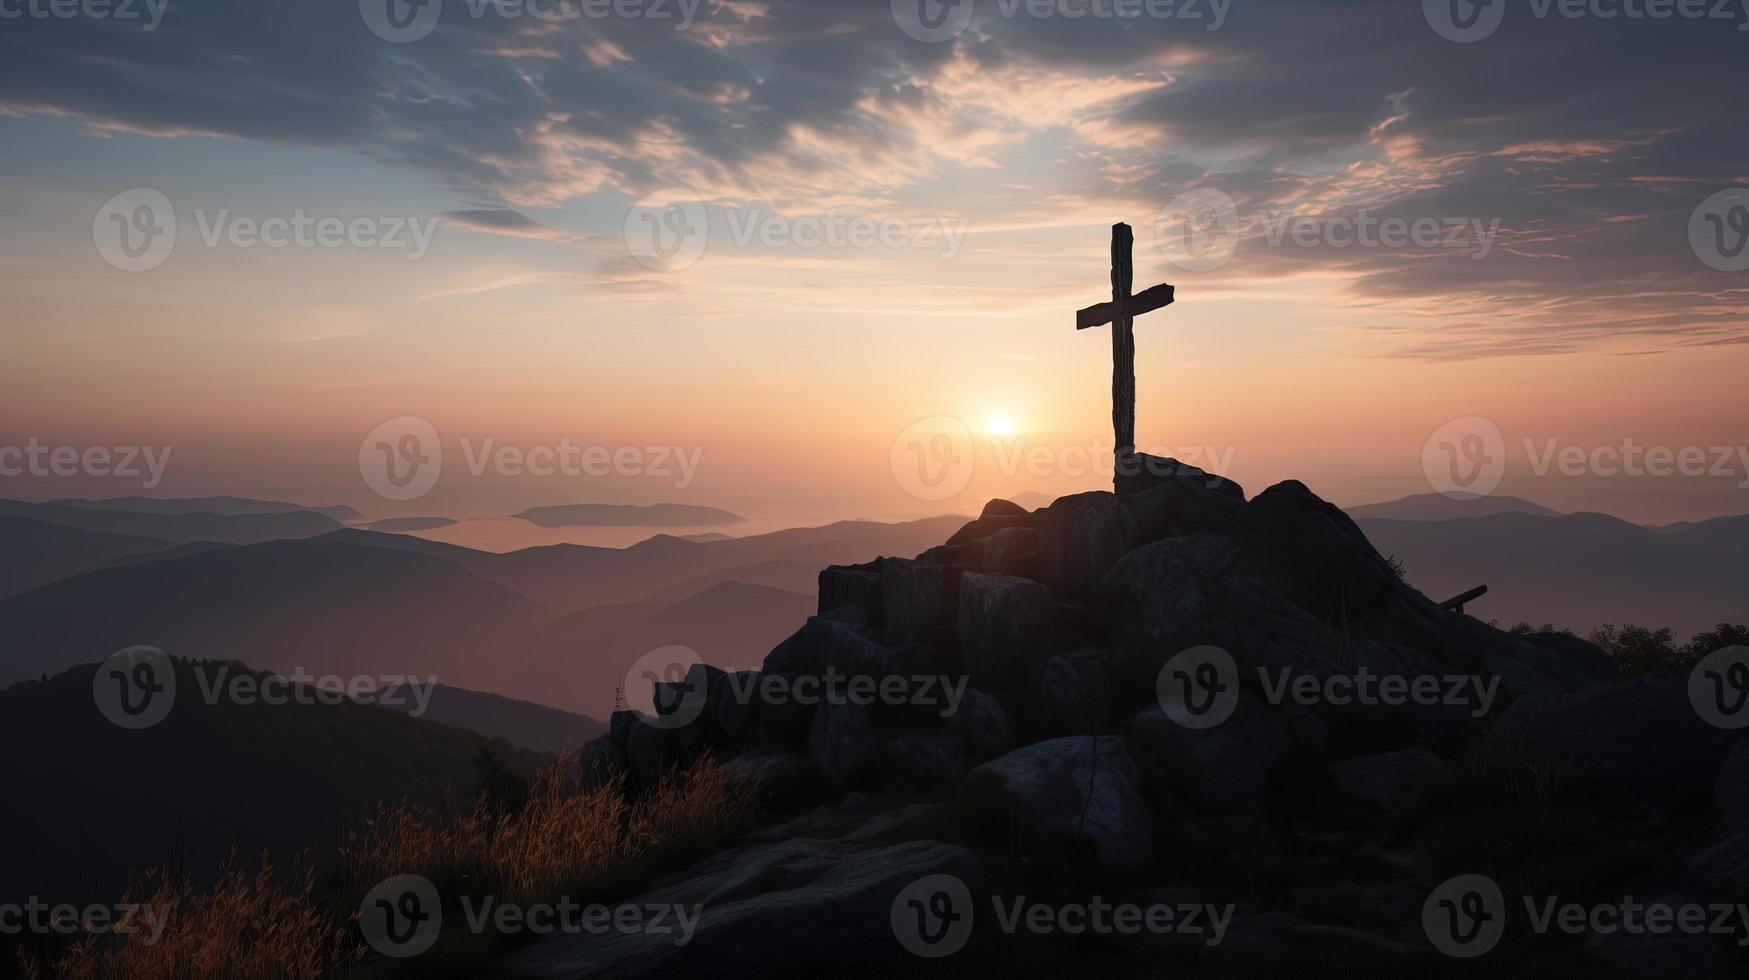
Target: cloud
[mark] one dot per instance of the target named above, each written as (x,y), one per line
(505,221)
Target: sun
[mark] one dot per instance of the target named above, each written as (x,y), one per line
(1001,426)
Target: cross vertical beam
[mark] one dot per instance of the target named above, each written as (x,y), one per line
(1123,342)
(1121,313)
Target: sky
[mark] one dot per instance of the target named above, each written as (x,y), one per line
(813,260)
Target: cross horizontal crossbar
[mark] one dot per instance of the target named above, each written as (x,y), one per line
(1146,301)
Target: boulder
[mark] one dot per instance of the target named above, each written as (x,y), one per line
(926,761)
(1007,627)
(798,907)
(1639,740)
(913,597)
(652,753)
(735,705)
(983,723)
(1078,793)
(1003,508)
(843,745)
(1586,657)
(1010,551)
(1731,788)
(983,527)
(1392,779)
(1139,473)
(852,585)
(1221,771)
(783,779)
(849,649)
(1081,538)
(1077,692)
(602,763)
(1313,554)
(1183,505)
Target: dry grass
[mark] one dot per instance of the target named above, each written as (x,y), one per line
(248,925)
(564,836)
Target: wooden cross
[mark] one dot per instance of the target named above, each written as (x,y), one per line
(1121,313)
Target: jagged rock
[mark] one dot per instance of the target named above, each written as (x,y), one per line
(983,723)
(1003,508)
(913,597)
(1217,772)
(1313,554)
(1731,788)
(1081,538)
(1044,788)
(735,707)
(1184,505)
(602,762)
(619,726)
(926,761)
(783,779)
(843,744)
(983,527)
(1639,739)
(651,754)
(852,585)
(1077,692)
(798,907)
(1391,779)
(1006,629)
(848,648)
(689,707)
(1009,551)
(1139,473)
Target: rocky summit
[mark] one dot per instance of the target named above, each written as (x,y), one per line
(1179,697)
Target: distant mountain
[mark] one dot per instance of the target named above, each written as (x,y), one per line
(103,800)
(223,506)
(626,515)
(1578,570)
(572,577)
(34,553)
(523,723)
(323,604)
(581,659)
(1439,507)
(399,525)
(176,528)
